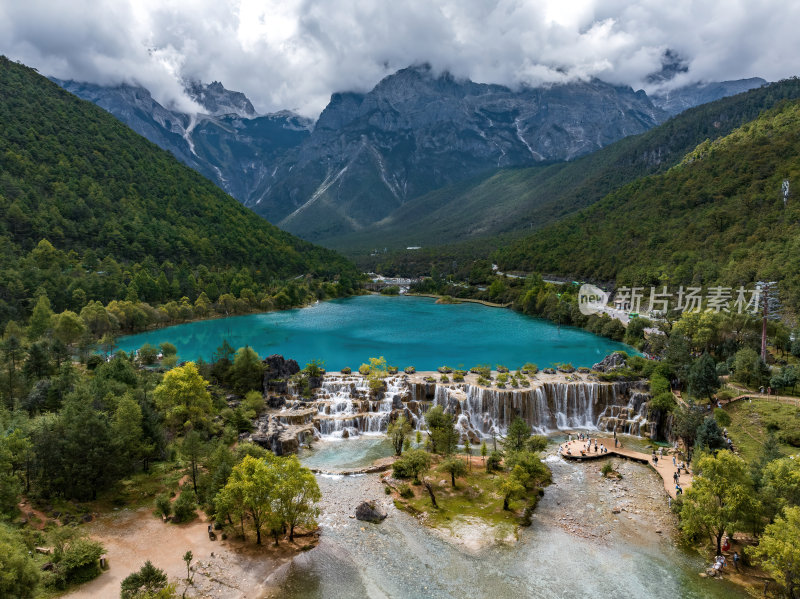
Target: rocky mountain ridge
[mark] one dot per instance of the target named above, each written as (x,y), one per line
(369,153)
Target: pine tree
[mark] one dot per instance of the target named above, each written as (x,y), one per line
(41,319)
(703,379)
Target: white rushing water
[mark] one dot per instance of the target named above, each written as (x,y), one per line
(347,408)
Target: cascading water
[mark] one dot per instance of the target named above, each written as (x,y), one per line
(546,408)
(346,407)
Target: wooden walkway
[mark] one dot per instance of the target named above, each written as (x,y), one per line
(572,451)
(747,394)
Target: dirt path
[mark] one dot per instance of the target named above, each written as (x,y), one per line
(223,569)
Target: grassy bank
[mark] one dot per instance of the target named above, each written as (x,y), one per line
(475,498)
(752,421)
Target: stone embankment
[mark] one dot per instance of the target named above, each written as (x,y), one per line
(336,405)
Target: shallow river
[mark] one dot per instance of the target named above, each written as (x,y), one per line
(575,548)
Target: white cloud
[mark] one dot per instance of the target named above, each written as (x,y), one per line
(295,53)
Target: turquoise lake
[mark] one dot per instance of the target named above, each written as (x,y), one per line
(407,331)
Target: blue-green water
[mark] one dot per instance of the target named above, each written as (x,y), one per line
(407,331)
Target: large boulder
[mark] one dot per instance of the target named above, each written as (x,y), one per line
(369,512)
(611,362)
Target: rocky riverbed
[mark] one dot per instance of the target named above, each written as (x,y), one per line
(577,546)
(584,503)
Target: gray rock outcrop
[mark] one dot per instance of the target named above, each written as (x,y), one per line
(368,511)
(610,362)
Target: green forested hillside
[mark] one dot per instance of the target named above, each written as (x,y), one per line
(515,201)
(124,219)
(718,216)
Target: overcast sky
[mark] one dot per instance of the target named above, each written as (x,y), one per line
(294,53)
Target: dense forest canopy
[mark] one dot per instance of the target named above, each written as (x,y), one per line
(717,217)
(121,217)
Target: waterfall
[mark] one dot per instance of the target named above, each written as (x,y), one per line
(344,406)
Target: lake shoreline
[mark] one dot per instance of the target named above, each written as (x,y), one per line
(414,331)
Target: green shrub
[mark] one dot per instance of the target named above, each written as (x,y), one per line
(458,378)
(254,401)
(444,379)
(363,369)
(392,369)
(501,368)
(163,506)
(390,290)
(664,402)
(659,384)
(168,349)
(607,469)
(409,370)
(482,370)
(405,491)
(493,461)
(722,417)
(445,369)
(529,368)
(411,464)
(314,368)
(346,370)
(148,579)
(185,505)
(78,562)
(148,354)
(725,395)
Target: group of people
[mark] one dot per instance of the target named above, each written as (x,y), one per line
(658,455)
(720,562)
(587,447)
(677,475)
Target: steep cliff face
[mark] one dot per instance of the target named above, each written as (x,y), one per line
(216,100)
(416,131)
(369,154)
(229,143)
